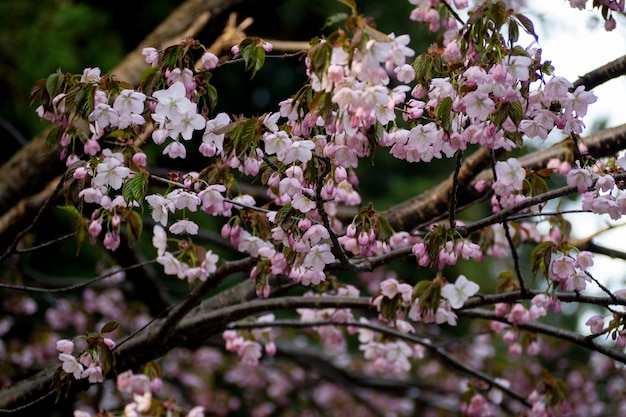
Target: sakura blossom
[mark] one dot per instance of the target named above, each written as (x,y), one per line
(299,226)
(173,103)
(110,173)
(459,292)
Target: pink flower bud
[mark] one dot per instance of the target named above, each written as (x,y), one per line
(109,343)
(65,346)
(80,173)
(115,221)
(140,159)
(95,227)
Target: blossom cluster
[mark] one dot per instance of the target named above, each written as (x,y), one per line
(472,89)
(430,303)
(248,347)
(89,365)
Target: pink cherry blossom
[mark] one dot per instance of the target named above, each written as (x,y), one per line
(582,178)
(110,172)
(90,75)
(318,257)
(161,207)
(562,268)
(172,102)
(184,226)
(104,115)
(159,240)
(209,60)
(478,105)
(299,150)
(518,66)
(596,324)
(578,101)
(510,176)
(71,365)
(151,55)
(175,150)
(129,101)
(65,346)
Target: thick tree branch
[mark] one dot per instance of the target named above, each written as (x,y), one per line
(603,74)
(212,318)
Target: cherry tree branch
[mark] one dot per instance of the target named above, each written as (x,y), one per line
(602,74)
(437,351)
(212,318)
(559,333)
(529,202)
(194,298)
(433,204)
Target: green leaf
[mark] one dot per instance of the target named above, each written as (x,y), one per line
(537,184)
(389,308)
(513,31)
(36,90)
(85,98)
(53,135)
(319,58)
(134,226)
(211,93)
(443,112)
(506,281)
(334,19)
(540,258)
(283,214)
(496,12)
(515,112)
(350,3)
(135,188)
(172,57)
(54,82)
(109,327)
(149,80)
(253,56)
(385,231)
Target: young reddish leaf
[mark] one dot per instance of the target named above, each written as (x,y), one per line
(36,91)
(134,226)
(527,24)
(350,3)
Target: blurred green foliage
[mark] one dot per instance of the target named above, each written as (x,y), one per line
(38,37)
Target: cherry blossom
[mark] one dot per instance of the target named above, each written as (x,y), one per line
(459,292)
(110,173)
(173,103)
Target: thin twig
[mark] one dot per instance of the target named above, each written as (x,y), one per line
(75,286)
(455,188)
